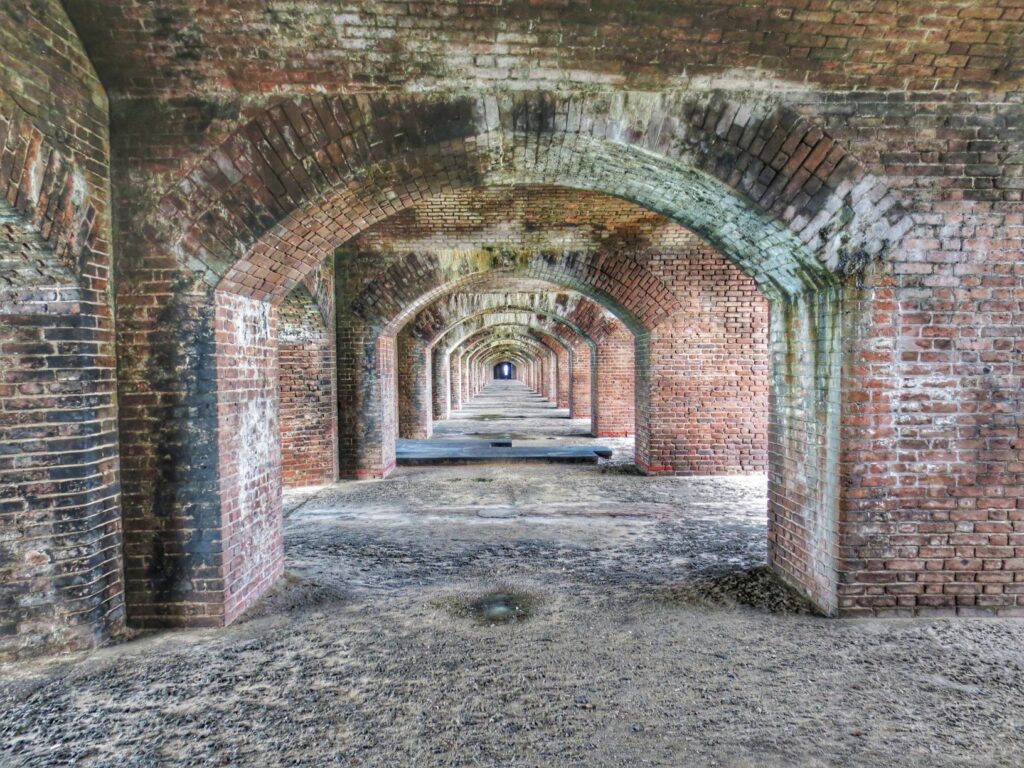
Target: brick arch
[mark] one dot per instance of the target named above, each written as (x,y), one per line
(509,335)
(48,208)
(522,315)
(554,337)
(521,346)
(390,298)
(528,344)
(437,318)
(521,328)
(438,330)
(634,294)
(423,364)
(772,192)
(298,180)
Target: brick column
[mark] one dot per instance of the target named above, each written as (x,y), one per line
(613,402)
(367,407)
(564,375)
(415,408)
(581,384)
(440,368)
(455,366)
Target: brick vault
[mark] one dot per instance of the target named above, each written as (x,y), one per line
(249,246)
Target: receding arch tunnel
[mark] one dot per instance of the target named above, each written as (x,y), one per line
(511,382)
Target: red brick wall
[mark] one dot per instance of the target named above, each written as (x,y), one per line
(581,385)
(249,445)
(613,402)
(61,583)
(707,371)
(306,350)
(933,462)
(415,404)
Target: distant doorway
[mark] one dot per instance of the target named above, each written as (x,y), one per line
(505,371)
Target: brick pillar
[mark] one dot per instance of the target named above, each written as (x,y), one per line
(581,376)
(564,377)
(60,521)
(455,366)
(440,388)
(249,450)
(553,378)
(415,407)
(367,396)
(613,403)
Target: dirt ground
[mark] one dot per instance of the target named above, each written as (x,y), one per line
(653,636)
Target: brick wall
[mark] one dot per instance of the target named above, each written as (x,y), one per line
(613,398)
(805,150)
(707,371)
(250,454)
(61,583)
(933,464)
(306,363)
(415,402)
(480,45)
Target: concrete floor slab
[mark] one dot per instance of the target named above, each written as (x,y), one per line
(507,422)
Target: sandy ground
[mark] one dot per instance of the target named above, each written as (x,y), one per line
(654,638)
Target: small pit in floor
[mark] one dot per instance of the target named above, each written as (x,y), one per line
(502,606)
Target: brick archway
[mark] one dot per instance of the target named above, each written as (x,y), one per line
(574,350)
(424,355)
(525,346)
(771,191)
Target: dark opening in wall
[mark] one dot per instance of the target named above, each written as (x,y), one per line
(505,371)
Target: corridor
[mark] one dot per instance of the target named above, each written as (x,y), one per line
(511,383)
(508,421)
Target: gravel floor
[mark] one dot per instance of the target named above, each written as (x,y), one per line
(654,637)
